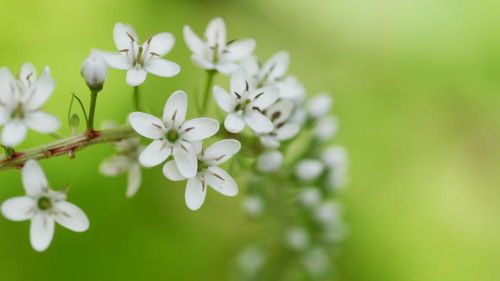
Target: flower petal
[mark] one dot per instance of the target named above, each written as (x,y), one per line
(42,122)
(216,33)
(161,67)
(42,90)
(14,132)
(194,43)
(234,123)
(19,208)
(221,151)
(175,109)
(185,159)
(199,129)
(6,82)
(155,153)
(146,125)
(159,44)
(133,180)
(34,179)
(264,97)
(276,67)
(223,99)
(202,62)
(287,131)
(226,67)
(136,76)
(258,122)
(280,111)
(171,171)
(269,141)
(124,35)
(27,75)
(70,216)
(221,181)
(195,193)
(239,49)
(238,82)
(41,231)
(114,165)
(115,60)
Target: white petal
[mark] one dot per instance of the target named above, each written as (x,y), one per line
(270,161)
(269,141)
(221,151)
(161,67)
(238,81)
(124,35)
(160,44)
(291,88)
(146,125)
(133,180)
(226,67)
(258,122)
(195,193)
(42,122)
(216,33)
(194,43)
(221,181)
(27,75)
(234,123)
(42,90)
(287,131)
(175,109)
(251,65)
(136,76)
(277,66)
(19,208)
(199,129)
(264,97)
(14,132)
(185,159)
(41,231)
(155,153)
(171,171)
(239,49)
(202,62)
(197,146)
(116,60)
(309,169)
(34,179)
(6,81)
(224,100)
(70,216)
(280,111)
(320,105)
(114,165)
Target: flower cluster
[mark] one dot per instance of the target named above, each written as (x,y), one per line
(267,131)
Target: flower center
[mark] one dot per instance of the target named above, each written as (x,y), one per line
(202,166)
(138,59)
(172,135)
(18,112)
(44,203)
(242,105)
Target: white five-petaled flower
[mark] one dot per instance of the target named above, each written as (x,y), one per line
(245,105)
(20,102)
(209,174)
(172,134)
(279,113)
(137,59)
(44,207)
(126,160)
(214,53)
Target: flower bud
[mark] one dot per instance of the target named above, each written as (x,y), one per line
(94,71)
(320,105)
(326,128)
(74,123)
(308,170)
(269,161)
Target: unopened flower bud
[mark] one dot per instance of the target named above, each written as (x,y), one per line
(94,71)
(269,161)
(320,105)
(326,128)
(309,170)
(74,123)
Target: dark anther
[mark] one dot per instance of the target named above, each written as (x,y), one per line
(156,125)
(276,115)
(237,95)
(257,96)
(130,36)
(246,86)
(220,157)
(221,178)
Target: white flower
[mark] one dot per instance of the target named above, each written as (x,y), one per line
(319,105)
(279,113)
(310,197)
(94,70)
(297,238)
(245,106)
(309,169)
(316,261)
(214,53)
(208,172)
(269,161)
(172,134)
(126,160)
(326,128)
(253,206)
(43,207)
(20,102)
(137,59)
(337,161)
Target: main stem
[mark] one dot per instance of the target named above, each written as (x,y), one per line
(93,100)
(136,99)
(210,79)
(66,146)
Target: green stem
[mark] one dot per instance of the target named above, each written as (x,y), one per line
(93,101)
(136,99)
(210,79)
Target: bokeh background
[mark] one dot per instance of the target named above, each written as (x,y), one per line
(416,87)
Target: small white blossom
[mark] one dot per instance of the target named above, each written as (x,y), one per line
(253,206)
(327,213)
(20,103)
(316,261)
(337,162)
(137,59)
(126,160)
(269,161)
(297,238)
(310,197)
(245,106)
(279,113)
(209,173)
(172,134)
(308,170)
(94,70)
(320,105)
(43,207)
(214,53)
(326,128)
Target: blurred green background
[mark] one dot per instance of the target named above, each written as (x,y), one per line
(417,90)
